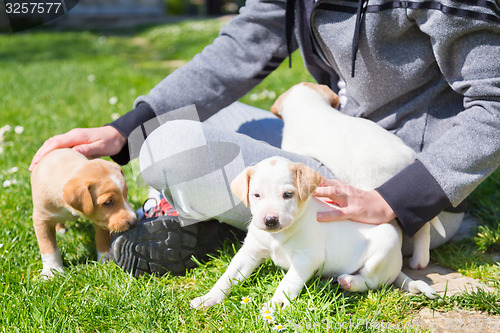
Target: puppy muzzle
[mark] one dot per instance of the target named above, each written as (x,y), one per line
(272,222)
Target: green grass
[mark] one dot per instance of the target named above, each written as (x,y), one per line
(52,82)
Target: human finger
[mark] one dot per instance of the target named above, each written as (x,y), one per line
(66,140)
(335,193)
(335,214)
(91,150)
(329,182)
(69,139)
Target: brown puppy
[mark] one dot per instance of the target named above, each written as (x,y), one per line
(65,185)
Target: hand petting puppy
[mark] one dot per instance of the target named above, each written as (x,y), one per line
(90,142)
(354,204)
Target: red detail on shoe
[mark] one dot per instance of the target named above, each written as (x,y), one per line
(163,208)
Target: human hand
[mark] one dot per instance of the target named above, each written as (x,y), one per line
(91,142)
(354,204)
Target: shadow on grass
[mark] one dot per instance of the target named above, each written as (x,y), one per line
(77,244)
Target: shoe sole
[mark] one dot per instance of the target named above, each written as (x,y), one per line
(156,247)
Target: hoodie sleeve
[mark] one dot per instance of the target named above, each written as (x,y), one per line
(248,48)
(467,48)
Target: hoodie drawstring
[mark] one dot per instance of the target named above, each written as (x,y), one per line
(290,21)
(360,13)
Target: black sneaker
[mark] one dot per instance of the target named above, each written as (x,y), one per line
(158,244)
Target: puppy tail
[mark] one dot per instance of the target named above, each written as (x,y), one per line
(406,283)
(436,223)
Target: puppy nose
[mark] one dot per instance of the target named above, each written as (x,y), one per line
(271,221)
(131,220)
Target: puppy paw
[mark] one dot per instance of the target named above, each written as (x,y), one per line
(419,261)
(197,303)
(204,302)
(61,229)
(49,273)
(46,275)
(103,257)
(279,302)
(419,286)
(345,281)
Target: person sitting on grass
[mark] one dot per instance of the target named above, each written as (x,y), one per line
(426,71)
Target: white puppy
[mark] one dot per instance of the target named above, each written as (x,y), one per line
(284,228)
(358,151)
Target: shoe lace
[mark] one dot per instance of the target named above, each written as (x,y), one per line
(161,208)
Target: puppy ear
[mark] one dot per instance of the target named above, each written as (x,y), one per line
(328,94)
(240,185)
(77,194)
(307,180)
(277,106)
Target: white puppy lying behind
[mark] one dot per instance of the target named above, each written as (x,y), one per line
(358,151)
(284,228)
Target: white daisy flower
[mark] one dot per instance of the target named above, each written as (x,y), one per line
(266,309)
(267,313)
(115,116)
(5,129)
(269,318)
(7,183)
(279,328)
(113,100)
(19,129)
(13,170)
(263,94)
(245,300)
(254,97)
(91,78)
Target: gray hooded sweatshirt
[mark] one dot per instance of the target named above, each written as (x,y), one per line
(428,71)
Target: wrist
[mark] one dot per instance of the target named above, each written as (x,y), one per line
(116,139)
(116,135)
(120,153)
(384,210)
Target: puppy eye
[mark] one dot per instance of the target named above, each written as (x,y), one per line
(288,195)
(257,195)
(108,203)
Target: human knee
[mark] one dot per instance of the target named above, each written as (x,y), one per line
(164,147)
(185,159)
(171,138)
